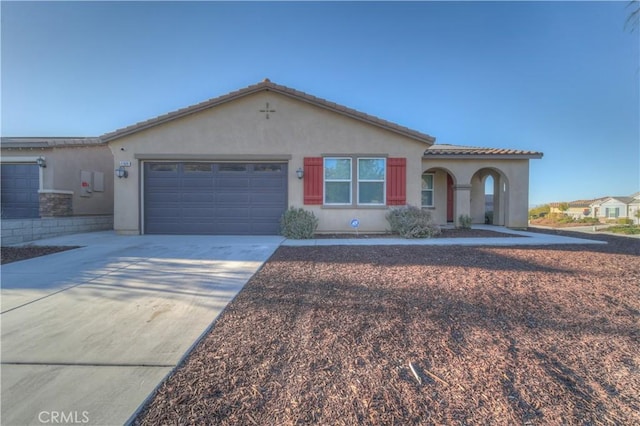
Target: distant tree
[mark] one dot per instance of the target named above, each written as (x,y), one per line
(539,211)
(563,207)
(633,19)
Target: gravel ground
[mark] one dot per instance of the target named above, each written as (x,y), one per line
(402,335)
(14,254)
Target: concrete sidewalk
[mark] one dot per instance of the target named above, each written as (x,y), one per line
(525,238)
(87,334)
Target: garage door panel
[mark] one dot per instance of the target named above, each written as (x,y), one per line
(197,197)
(204,228)
(266,215)
(232,184)
(198,183)
(19,197)
(198,212)
(270,183)
(214,198)
(233,198)
(159,199)
(268,198)
(232,213)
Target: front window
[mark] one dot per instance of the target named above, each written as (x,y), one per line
(337,180)
(371,178)
(427,190)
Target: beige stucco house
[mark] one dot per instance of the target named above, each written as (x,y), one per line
(55,177)
(54,186)
(235,163)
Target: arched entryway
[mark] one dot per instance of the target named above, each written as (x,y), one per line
(493,209)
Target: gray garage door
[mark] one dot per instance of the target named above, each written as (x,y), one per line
(214,198)
(20,183)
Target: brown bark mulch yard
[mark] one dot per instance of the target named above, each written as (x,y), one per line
(421,335)
(14,254)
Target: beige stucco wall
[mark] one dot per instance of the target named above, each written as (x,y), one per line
(238,130)
(513,173)
(62,173)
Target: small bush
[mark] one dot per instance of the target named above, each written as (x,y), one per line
(464,221)
(590,220)
(412,222)
(298,224)
(623,229)
(624,221)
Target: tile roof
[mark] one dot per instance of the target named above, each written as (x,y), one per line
(267,85)
(44,142)
(578,203)
(452,151)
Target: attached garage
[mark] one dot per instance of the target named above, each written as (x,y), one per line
(20,184)
(214,198)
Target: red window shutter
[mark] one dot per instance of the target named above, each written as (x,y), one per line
(396,181)
(313,182)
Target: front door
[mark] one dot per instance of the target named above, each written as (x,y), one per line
(449,198)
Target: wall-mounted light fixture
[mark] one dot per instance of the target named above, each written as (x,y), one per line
(41,162)
(300,173)
(121,172)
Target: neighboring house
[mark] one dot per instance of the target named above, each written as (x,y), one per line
(233,164)
(578,209)
(634,208)
(619,207)
(55,177)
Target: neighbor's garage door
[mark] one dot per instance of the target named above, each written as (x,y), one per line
(214,198)
(20,183)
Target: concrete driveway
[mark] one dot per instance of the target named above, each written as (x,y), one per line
(87,334)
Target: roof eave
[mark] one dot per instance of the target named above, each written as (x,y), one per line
(202,106)
(354,114)
(535,156)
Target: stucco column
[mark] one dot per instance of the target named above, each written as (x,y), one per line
(462,197)
(498,201)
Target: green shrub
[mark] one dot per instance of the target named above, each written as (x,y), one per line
(298,224)
(591,220)
(623,229)
(565,219)
(412,222)
(624,221)
(464,221)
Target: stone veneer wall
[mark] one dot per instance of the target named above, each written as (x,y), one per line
(56,204)
(16,231)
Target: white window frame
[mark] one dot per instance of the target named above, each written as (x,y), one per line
(383,181)
(612,212)
(325,180)
(433,190)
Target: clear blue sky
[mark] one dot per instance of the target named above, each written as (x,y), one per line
(561,78)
